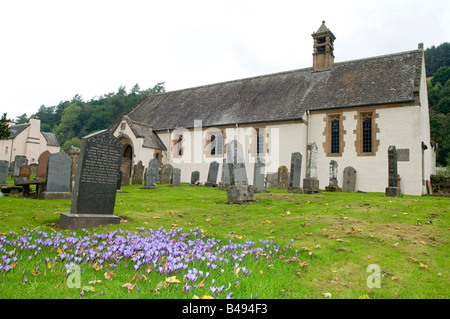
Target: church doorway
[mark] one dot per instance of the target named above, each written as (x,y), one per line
(127,159)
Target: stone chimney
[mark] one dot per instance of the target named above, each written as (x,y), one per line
(323,57)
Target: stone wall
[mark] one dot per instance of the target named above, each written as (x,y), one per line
(440,185)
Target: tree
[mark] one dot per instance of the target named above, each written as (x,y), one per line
(441,76)
(22,119)
(4,127)
(75,142)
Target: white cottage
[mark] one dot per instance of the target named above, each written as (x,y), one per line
(353,111)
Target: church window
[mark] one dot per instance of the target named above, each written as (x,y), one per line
(366,142)
(180,145)
(214,143)
(334,134)
(367,133)
(259,141)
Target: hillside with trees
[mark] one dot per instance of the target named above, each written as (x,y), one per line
(71,120)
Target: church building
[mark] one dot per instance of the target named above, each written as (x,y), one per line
(351,111)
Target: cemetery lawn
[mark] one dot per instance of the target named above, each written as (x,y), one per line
(310,246)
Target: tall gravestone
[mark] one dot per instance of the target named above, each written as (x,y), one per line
(283,177)
(19,160)
(349,179)
(4,169)
(333,182)
(258,175)
(176,177)
(392,190)
(151,174)
(125,165)
(138,174)
(74,153)
(59,168)
(225,179)
(42,164)
(211,181)
(310,182)
(33,168)
(295,174)
(95,192)
(239,191)
(195,178)
(166,173)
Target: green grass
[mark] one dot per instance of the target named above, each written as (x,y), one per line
(338,234)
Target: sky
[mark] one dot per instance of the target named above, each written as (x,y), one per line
(52,50)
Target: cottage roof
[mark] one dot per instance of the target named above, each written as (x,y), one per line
(51,139)
(17,129)
(285,96)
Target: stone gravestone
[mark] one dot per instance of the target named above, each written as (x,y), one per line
(349,180)
(74,153)
(239,191)
(211,181)
(59,167)
(225,179)
(283,177)
(33,168)
(42,164)
(125,166)
(95,191)
(166,173)
(4,170)
(333,183)
(151,174)
(392,190)
(25,171)
(310,182)
(271,180)
(176,177)
(19,160)
(295,177)
(138,173)
(195,178)
(258,176)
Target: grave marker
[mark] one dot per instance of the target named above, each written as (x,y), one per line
(4,170)
(258,176)
(195,178)
(166,173)
(151,174)
(42,164)
(239,191)
(95,187)
(138,173)
(212,174)
(283,177)
(349,180)
(295,175)
(392,190)
(333,183)
(176,177)
(311,183)
(19,160)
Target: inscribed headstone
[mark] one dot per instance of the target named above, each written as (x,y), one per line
(58,172)
(74,153)
(176,177)
(225,179)
(283,177)
(349,179)
(166,173)
(42,164)
(151,174)
(138,174)
(211,181)
(95,187)
(333,181)
(33,168)
(392,190)
(4,168)
(195,178)
(125,166)
(258,175)
(272,180)
(25,171)
(295,174)
(311,183)
(239,191)
(19,160)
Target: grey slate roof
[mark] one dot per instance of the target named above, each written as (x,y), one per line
(285,96)
(145,131)
(17,129)
(51,139)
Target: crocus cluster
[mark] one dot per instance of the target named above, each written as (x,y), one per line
(167,252)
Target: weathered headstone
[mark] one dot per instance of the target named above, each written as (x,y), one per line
(19,160)
(295,174)
(4,168)
(239,191)
(176,177)
(349,179)
(33,168)
(42,164)
(25,171)
(392,190)
(211,181)
(271,180)
(195,178)
(166,173)
(283,177)
(95,191)
(151,174)
(333,182)
(74,153)
(58,176)
(258,175)
(125,166)
(310,182)
(225,179)
(138,173)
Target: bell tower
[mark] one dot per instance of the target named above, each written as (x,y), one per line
(323,57)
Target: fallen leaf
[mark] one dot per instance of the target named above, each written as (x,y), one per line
(128,286)
(109,275)
(423,266)
(326,295)
(207,297)
(88,288)
(172,280)
(93,282)
(422,242)
(236,271)
(412,259)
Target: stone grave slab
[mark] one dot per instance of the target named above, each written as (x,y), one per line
(211,180)
(295,174)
